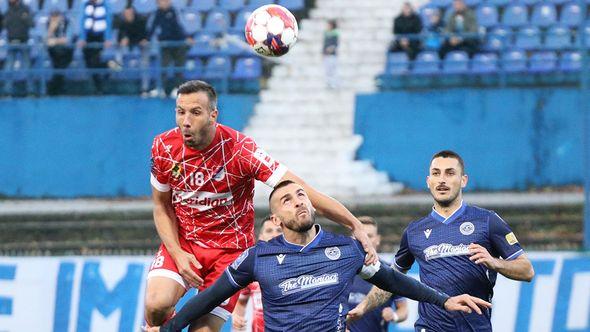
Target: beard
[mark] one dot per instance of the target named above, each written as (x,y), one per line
(196,140)
(446,201)
(299,226)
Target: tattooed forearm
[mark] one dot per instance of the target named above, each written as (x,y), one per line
(375,298)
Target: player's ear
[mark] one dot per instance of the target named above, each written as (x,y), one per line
(275,220)
(214,114)
(464,180)
(428,182)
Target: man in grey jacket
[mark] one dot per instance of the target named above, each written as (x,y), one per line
(461,26)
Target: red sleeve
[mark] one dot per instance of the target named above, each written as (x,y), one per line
(159,172)
(259,164)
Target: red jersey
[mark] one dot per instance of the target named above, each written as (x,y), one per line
(212,189)
(253,290)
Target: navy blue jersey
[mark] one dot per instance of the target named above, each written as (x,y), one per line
(440,247)
(304,288)
(372,320)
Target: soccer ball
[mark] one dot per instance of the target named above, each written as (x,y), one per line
(271,30)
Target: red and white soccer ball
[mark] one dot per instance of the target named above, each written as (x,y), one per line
(271,30)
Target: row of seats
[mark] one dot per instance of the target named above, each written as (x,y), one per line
(448,3)
(148,6)
(531,37)
(458,62)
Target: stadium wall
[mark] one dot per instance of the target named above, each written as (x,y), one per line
(511,139)
(85,294)
(89,146)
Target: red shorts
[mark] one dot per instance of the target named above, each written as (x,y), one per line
(214,262)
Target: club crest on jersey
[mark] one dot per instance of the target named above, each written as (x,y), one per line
(176,170)
(333,253)
(220,174)
(445,250)
(306,282)
(427,232)
(466,228)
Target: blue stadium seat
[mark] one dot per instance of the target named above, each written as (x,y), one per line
(585,36)
(241,19)
(544,15)
(484,63)
(570,61)
(229,48)
(232,5)
(33,5)
(253,4)
(557,38)
(116,6)
(487,16)
(203,5)
(397,63)
(473,3)
(145,6)
(39,30)
(515,15)
(528,38)
(217,21)
(498,2)
(191,21)
(571,15)
(50,5)
(217,67)
(456,62)
(426,63)
(293,5)
(543,62)
(78,70)
(498,39)
(514,61)
(441,3)
(178,4)
(558,2)
(248,68)
(204,45)
(529,2)
(193,69)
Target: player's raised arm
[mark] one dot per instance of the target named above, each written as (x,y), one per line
(335,211)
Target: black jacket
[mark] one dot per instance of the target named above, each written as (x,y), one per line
(18,21)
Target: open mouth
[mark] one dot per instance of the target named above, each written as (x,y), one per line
(442,189)
(302,212)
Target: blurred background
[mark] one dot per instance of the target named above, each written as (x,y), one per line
(357,108)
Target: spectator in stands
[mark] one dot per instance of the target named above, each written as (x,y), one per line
(18,21)
(434,31)
(58,46)
(133,35)
(461,22)
(330,51)
(407,23)
(174,43)
(95,34)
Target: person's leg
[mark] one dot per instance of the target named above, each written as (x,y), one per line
(167,58)
(144,67)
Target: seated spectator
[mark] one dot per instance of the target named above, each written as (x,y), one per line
(174,43)
(407,23)
(18,22)
(434,32)
(58,46)
(95,33)
(462,21)
(133,35)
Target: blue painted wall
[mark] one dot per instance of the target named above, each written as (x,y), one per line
(509,138)
(90,146)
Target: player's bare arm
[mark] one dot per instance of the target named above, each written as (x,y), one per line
(238,317)
(167,228)
(398,315)
(335,211)
(374,299)
(519,268)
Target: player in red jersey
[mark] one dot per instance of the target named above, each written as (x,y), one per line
(202,180)
(268,230)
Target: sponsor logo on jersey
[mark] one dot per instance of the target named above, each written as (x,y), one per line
(264,157)
(202,200)
(445,250)
(466,228)
(240,259)
(511,239)
(281,258)
(176,170)
(332,253)
(427,233)
(306,282)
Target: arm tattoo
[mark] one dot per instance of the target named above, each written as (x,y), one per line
(375,298)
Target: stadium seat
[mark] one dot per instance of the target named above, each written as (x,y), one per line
(426,63)
(397,63)
(204,45)
(557,38)
(584,39)
(558,2)
(33,5)
(498,2)
(294,5)
(231,5)
(253,4)
(78,70)
(514,61)
(248,68)
(145,6)
(515,15)
(544,15)
(193,69)
(528,38)
(441,3)
(241,19)
(39,30)
(178,4)
(570,61)
(529,2)
(571,15)
(456,62)
(191,21)
(202,5)
(50,5)
(217,21)
(498,39)
(543,61)
(473,3)
(484,63)
(116,6)
(217,67)
(487,16)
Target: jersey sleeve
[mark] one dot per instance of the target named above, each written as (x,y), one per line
(502,238)
(259,164)
(404,259)
(241,271)
(159,177)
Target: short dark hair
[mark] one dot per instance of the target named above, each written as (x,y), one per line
(195,86)
(366,220)
(450,154)
(279,186)
(265,219)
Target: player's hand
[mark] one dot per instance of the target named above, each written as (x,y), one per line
(238,322)
(184,262)
(480,255)
(466,304)
(151,329)
(389,315)
(356,313)
(371,256)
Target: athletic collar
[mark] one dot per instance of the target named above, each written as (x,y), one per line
(434,214)
(317,238)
